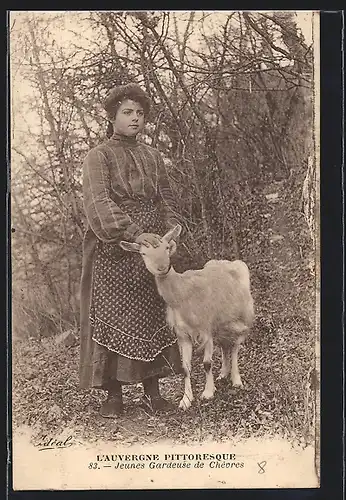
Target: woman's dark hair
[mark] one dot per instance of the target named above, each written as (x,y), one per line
(109,130)
(119,94)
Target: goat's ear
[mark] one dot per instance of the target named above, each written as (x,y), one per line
(172,248)
(173,233)
(130,247)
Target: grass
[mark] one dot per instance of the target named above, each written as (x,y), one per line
(276,400)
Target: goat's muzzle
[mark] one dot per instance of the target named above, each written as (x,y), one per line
(164,272)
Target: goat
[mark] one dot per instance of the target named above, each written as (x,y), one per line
(202,305)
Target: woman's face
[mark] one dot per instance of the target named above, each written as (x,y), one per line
(129,119)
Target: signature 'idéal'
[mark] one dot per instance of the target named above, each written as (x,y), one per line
(51,443)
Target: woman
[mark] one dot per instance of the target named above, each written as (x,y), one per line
(127,196)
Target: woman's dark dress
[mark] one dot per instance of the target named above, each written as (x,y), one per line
(124,335)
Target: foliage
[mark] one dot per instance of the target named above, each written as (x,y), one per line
(231,104)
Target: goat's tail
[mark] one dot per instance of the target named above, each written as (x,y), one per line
(242,271)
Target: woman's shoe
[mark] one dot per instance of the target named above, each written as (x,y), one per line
(113,407)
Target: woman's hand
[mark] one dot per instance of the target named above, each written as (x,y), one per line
(147,239)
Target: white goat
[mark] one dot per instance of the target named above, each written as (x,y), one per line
(202,305)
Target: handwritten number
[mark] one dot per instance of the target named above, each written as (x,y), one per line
(261,466)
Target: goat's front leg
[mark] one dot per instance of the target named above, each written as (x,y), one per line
(209,389)
(185,346)
(235,375)
(226,360)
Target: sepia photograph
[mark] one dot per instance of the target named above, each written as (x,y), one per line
(165,249)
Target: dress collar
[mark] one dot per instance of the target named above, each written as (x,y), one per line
(124,139)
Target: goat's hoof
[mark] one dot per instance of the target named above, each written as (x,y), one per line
(185,404)
(237,385)
(207,395)
(222,378)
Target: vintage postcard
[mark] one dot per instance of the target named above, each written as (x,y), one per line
(165,249)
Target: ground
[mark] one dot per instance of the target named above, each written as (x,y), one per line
(277,363)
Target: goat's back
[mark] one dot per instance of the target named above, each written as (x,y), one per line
(230,281)
(237,268)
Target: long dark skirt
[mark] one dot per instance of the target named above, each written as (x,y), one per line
(128,317)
